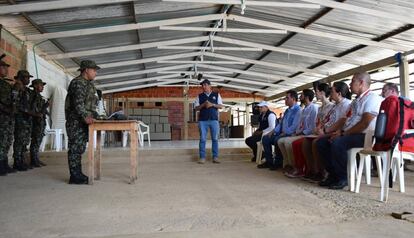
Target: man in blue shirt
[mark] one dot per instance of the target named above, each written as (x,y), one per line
(208,104)
(287,127)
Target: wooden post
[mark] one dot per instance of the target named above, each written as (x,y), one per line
(404,77)
(134,153)
(98,155)
(91,158)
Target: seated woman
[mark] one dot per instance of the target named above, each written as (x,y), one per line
(332,121)
(301,164)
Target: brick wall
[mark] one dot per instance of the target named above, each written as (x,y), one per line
(15,52)
(172,98)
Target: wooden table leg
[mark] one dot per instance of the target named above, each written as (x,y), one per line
(133,156)
(98,155)
(91,159)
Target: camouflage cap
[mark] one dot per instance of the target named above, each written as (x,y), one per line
(37,81)
(88,64)
(3,63)
(23,73)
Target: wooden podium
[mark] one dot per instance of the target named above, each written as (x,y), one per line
(94,163)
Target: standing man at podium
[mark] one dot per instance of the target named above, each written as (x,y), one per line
(80,110)
(208,103)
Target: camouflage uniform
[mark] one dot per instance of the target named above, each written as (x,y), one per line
(39,105)
(7,107)
(22,129)
(80,103)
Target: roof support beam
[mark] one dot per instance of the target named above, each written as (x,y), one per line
(104,85)
(251,3)
(147,71)
(287,51)
(266,64)
(54,5)
(250,73)
(141,86)
(125,48)
(355,40)
(124,27)
(362,10)
(209,29)
(263,91)
(244,81)
(208,48)
(141,61)
(199,62)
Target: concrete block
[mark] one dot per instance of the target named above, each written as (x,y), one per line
(160,136)
(152,128)
(158,128)
(163,119)
(164,113)
(146,112)
(155,112)
(146,119)
(166,127)
(155,119)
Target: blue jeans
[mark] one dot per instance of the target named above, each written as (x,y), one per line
(267,143)
(334,153)
(214,132)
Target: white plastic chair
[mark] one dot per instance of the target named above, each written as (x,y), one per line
(141,134)
(56,138)
(396,163)
(352,164)
(143,129)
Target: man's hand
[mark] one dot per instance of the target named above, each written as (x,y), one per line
(335,135)
(209,104)
(89,120)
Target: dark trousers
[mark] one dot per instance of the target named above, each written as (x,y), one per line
(334,153)
(251,141)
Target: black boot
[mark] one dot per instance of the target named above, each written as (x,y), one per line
(9,169)
(3,170)
(78,180)
(34,161)
(19,165)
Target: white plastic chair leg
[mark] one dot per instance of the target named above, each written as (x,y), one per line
(368,169)
(400,170)
(149,140)
(386,174)
(259,152)
(360,170)
(124,138)
(379,168)
(352,169)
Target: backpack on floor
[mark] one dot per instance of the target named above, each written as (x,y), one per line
(400,116)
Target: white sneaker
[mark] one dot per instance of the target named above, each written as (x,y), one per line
(201,161)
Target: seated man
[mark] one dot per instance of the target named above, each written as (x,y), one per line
(306,125)
(267,121)
(287,127)
(360,118)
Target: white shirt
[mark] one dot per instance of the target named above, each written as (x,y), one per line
(337,112)
(219,100)
(368,102)
(271,119)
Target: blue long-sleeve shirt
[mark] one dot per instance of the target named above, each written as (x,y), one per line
(290,121)
(308,119)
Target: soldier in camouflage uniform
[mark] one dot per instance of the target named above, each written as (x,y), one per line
(23,122)
(80,110)
(8,97)
(39,105)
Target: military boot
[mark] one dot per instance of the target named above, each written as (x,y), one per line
(77,177)
(3,170)
(19,165)
(34,161)
(9,169)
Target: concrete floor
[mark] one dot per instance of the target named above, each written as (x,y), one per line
(176,197)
